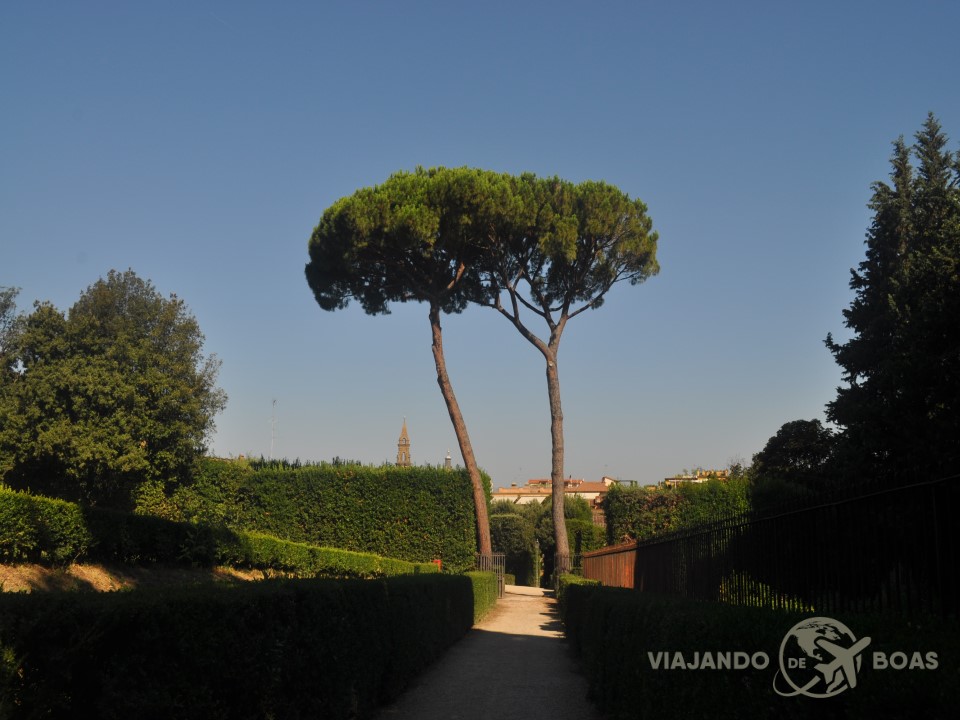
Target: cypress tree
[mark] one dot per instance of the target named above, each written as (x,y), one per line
(899,407)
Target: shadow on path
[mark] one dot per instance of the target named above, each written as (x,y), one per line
(513,664)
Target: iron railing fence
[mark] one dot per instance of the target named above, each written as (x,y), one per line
(495,563)
(890,549)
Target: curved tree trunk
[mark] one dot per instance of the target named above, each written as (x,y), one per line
(459,427)
(556,471)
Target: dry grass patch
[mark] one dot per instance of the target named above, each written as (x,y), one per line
(103,578)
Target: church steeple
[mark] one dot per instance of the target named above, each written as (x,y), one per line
(403,447)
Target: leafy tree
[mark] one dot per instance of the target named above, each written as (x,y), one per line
(115,393)
(553,251)
(581,534)
(513,535)
(409,239)
(505,507)
(9,321)
(713,500)
(900,407)
(799,454)
(637,513)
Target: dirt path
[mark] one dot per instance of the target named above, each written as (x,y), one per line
(514,664)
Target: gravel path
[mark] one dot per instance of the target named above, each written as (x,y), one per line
(513,664)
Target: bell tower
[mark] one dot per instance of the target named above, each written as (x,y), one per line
(403,447)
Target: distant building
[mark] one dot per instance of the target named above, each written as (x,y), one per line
(403,447)
(700,476)
(539,489)
(448,462)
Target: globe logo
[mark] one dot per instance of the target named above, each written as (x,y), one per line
(819,658)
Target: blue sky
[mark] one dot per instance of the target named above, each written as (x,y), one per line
(199,142)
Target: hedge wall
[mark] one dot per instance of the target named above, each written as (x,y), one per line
(613,630)
(37,529)
(512,534)
(291,649)
(485,593)
(563,584)
(638,513)
(417,514)
(44,530)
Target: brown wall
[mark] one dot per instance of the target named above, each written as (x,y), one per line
(612,566)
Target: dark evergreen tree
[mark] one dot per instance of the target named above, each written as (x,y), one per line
(899,408)
(794,463)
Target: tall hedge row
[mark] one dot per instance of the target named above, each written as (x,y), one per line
(292,649)
(35,529)
(638,513)
(485,592)
(45,530)
(613,630)
(513,535)
(416,514)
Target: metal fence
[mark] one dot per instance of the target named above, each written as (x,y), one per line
(891,550)
(495,563)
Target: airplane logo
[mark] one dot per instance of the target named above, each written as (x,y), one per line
(843,666)
(819,658)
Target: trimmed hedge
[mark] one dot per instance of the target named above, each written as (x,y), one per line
(416,514)
(269,553)
(284,649)
(44,530)
(564,582)
(613,630)
(485,593)
(513,535)
(640,513)
(38,529)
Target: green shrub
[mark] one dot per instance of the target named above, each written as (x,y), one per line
(512,534)
(485,593)
(264,552)
(708,502)
(614,629)
(423,623)
(37,529)
(563,584)
(581,532)
(583,536)
(417,514)
(290,649)
(509,579)
(211,495)
(639,513)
